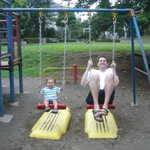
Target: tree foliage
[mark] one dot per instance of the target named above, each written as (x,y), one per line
(101,22)
(30,21)
(85,3)
(73,24)
(142,7)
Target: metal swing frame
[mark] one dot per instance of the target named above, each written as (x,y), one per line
(13,56)
(133,29)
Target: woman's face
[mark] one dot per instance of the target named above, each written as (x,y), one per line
(102,63)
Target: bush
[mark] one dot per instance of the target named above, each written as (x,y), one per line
(52,40)
(106,40)
(32,40)
(72,40)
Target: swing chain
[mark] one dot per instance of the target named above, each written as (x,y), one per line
(65,48)
(66,18)
(40,47)
(114,18)
(89,30)
(113,64)
(114,36)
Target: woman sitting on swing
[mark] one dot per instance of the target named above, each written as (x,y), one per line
(102,83)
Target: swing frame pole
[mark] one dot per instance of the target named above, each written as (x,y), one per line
(10,50)
(133,71)
(137,31)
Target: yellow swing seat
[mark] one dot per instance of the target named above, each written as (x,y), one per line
(52,125)
(106,129)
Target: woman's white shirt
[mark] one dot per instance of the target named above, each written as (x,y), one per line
(102,76)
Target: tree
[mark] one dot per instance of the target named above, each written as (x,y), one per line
(19,3)
(142,7)
(85,3)
(134,4)
(101,22)
(30,21)
(74,29)
(144,23)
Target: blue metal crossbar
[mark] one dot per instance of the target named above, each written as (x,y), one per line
(63,10)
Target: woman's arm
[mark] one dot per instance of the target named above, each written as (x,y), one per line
(84,79)
(116,77)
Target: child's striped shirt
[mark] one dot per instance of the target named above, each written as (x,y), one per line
(50,93)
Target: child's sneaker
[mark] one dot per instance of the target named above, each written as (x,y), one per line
(55,111)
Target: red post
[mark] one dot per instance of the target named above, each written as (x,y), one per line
(75,73)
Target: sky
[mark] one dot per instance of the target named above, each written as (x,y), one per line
(83,15)
(72,2)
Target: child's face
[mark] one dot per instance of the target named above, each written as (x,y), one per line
(50,83)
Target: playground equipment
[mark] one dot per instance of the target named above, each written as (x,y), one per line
(139,67)
(133,26)
(51,106)
(52,125)
(134,29)
(105,129)
(10,38)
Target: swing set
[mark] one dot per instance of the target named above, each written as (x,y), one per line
(11,57)
(133,28)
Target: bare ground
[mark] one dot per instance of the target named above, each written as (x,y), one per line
(133,122)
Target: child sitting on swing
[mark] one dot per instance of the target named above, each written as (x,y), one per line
(50,94)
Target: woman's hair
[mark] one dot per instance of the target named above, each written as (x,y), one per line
(103,57)
(50,78)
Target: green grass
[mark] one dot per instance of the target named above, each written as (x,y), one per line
(52,54)
(78,47)
(104,46)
